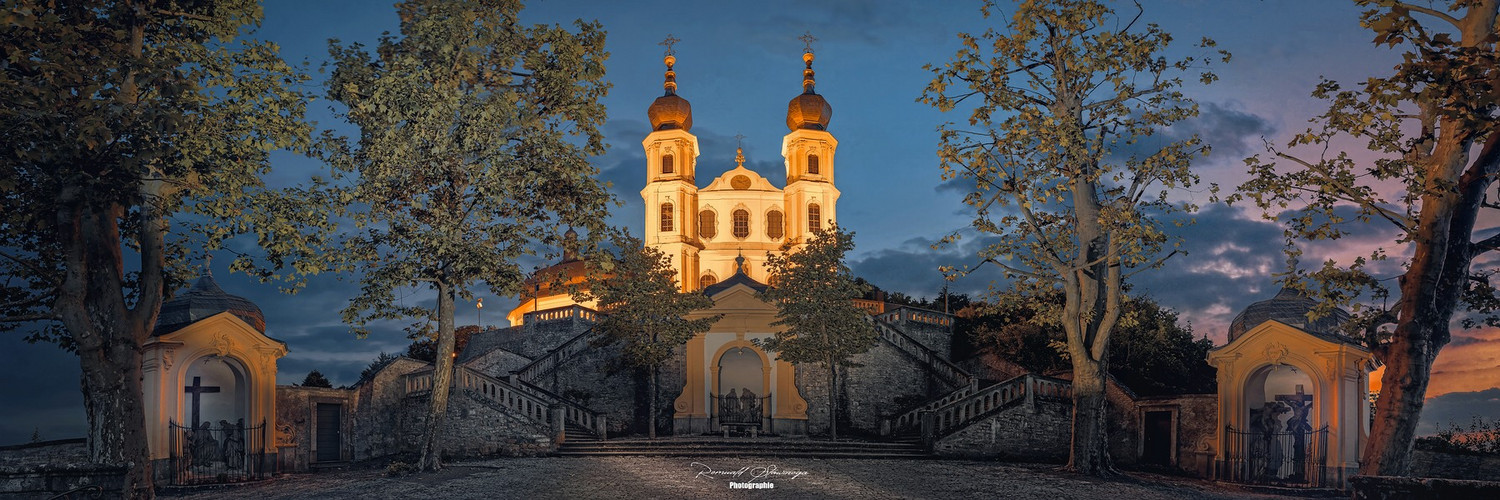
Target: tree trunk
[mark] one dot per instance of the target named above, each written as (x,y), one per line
(1089,453)
(651,406)
(442,378)
(833,401)
(1403,388)
(111,383)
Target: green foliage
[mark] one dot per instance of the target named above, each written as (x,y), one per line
(644,309)
(316,379)
(813,290)
(380,361)
(476,133)
(1149,352)
(153,140)
(424,340)
(1482,437)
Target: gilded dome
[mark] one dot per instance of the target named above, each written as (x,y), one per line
(202,300)
(670,111)
(809,110)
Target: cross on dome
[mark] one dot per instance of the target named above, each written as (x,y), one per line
(807,40)
(668,44)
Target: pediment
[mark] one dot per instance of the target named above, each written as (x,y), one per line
(1273,335)
(223,331)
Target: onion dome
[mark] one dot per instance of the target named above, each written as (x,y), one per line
(670,111)
(202,300)
(1289,306)
(809,110)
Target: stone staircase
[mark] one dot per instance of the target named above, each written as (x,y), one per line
(927,423)
(740,447)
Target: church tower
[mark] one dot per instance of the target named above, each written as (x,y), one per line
(670,195)
(810,197)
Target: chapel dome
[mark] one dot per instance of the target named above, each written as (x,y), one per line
(670,111)
(202,300)
(809,110)
(1291,307)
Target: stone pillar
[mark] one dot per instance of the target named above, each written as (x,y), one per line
(929,428)
(602,429)
(559,423)
(1030,385)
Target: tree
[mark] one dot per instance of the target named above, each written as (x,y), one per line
(424,341)
(123,120)
(1065,177)
(645,311)
(814,293)
(1150,352)
(316,379)
(1432,157)
(475,138)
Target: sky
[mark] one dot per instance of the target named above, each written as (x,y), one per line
(738,63)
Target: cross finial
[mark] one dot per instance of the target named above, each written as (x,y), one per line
(807,40)
(739,140)
(668,43)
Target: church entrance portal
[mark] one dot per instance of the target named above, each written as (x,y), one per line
(742,398)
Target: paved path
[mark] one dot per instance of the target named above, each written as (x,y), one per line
(687,477)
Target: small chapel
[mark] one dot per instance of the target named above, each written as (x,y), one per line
(1291,407)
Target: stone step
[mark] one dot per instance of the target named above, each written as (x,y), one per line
(742,453)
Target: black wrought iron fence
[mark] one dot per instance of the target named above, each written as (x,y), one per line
(1276,458)
(740,410)
(222,453)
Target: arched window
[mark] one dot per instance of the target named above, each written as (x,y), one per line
(666,164)
(666,217)
(708,225)
(706,281)
(814,217)
(775,227)
(812,164)
(741,223)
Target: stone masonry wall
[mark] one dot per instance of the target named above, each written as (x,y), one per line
(295,410)
(589,378)
(1453,466)
(1196,436)
(935,337)
(1039,434)
(887,382)
(376,423)
(497,363)
(474,427)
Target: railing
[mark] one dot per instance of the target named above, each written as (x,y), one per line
(949,372)
(913,315)
(1276,458)
(740,411)
(550,361)
(520,398)
(569,312)
(960,408)
(217,454)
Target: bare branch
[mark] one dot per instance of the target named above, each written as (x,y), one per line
(1351,195)
(1429,11)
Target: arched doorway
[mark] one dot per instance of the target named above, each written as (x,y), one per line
(211,440)
(742,397)
(1279,441)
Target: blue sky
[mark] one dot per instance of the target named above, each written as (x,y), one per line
(739,63)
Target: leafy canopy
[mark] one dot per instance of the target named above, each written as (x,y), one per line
(644,309)
(814,291)
(475,138)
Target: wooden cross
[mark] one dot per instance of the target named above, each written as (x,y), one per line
(668,43)
(198,389)
(807,40)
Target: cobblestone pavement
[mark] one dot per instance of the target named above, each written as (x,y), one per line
(688,477)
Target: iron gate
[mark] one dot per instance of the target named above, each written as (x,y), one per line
(223,453)
(1276,458)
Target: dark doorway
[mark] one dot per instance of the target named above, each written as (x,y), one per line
(329,440)
(1158,438)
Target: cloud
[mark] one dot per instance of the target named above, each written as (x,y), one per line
(1458,408)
